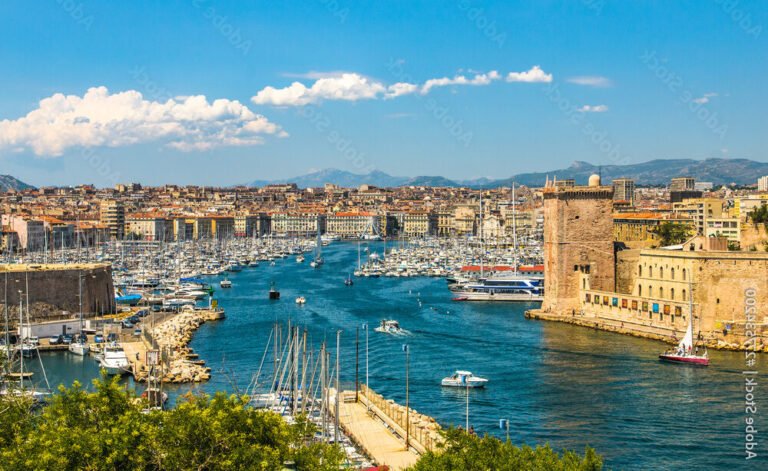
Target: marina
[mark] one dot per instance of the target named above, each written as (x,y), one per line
(556,383)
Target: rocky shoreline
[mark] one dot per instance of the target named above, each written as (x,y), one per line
(173,337)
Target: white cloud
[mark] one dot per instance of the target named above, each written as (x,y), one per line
(535,74)
(478,79)
(704,99)
(349,86)
(99,118)
(591,81)
(593,109)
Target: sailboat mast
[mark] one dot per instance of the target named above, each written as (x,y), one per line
(514,229)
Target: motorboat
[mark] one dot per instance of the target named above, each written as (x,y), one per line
(300,259)
(301,300)
(114,361)
(348,281)
(390,326)
(273,292)
(79,348)
(464,379)
(225,284)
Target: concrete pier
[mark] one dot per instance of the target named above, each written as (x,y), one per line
(377,426)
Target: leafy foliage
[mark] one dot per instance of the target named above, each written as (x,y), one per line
(462,450)
(759,214)
(107,429)
(671,233)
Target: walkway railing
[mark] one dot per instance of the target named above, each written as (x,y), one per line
(424,431)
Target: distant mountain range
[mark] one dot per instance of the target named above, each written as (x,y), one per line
(8,182)
(655,172)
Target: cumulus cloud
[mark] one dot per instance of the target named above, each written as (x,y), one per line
(535,74)
(704,99)
(350,86)
(593,109)
(99,118)
(478,79)
(346,87)
(591,81)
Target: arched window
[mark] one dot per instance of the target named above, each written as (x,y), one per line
(672,274)
(672,294)
(683,274)
(650,272)
(639,290)
(661,272)
(684,296)
(661,292)
(640,270)
(650,291)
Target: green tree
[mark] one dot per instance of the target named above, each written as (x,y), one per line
(108,429)
(673,233)
(462,450)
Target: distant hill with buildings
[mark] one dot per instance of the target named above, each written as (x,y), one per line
(654,172)
(8,182)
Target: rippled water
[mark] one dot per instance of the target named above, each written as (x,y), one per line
(565,385)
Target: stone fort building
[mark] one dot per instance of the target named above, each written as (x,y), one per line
(591,280)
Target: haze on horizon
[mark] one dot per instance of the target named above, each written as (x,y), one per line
(221,93)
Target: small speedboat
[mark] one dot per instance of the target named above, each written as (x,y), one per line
(464,379)
(389,326)
(348,281)
(460,298)
(300,259)
(301,300)
(225,284)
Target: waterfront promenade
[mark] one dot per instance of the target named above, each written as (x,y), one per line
(377,426)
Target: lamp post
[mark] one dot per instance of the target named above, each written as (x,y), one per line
(504,424)
(407,407)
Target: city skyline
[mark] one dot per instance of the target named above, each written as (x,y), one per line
(203,92)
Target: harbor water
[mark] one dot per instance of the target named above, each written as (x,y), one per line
(559,384)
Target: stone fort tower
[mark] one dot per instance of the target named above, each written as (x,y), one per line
(578,243)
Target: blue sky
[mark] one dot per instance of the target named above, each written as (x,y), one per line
(461,89)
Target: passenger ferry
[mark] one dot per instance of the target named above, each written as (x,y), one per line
(511,289)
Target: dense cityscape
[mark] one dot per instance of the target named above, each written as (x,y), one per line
(383,236)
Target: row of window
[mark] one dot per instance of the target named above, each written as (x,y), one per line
(661,272)
(661,292)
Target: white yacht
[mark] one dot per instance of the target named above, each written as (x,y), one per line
(225,283)
(464,379)
(114,360)
(513,288)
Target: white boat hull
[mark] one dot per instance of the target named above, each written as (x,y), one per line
(80,349)
(508,297)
